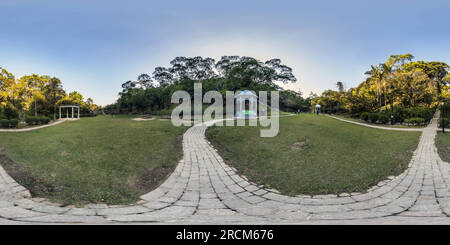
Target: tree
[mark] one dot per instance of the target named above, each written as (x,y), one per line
(35,84)
(375,76)
(54,92)
(144,81)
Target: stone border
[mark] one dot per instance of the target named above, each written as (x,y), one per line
(378,127)
(37,127)
(203,189)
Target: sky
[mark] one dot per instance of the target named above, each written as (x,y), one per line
(95,46)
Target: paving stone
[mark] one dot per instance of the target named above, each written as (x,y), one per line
(210,204)
(124,210)
(215,212)
(50,209)
(16,212)
(81,212)
(156,205)
(64,219)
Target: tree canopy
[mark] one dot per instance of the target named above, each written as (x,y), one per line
(398,82)
(152,93)
(37,94)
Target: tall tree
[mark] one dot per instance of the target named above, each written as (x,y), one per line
(54,92)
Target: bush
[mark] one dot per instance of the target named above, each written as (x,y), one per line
(13,123)
(401,113)
(383,118)
(415,121)
(4,123)
(365,116)
(43,120)
(373,117)
(30,120)
(10,112)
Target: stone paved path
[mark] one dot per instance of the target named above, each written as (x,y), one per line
(375,126)
(203,189)
(37,127)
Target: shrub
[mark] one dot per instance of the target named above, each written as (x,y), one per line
(383,118)
(415,121)
(43,120)
(373,117)
(420,112)
(30,120)
(4,123)
(11,112)
(402,113)
(365,116)
(13,123)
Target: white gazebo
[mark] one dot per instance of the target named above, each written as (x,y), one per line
(241,111)
(70,106)
(317,110)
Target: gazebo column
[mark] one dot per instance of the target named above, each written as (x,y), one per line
(250,108)
(67,115)
(78,112)
(236,107)
(60,112)
(72,113)
(240,107)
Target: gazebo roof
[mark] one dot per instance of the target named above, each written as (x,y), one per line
(246,93)
(64,106)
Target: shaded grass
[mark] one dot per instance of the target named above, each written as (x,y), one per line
(315,154)
(443,145)
(105,159)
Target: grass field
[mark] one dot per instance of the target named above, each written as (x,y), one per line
(315,154)
(93,160)
(443,145)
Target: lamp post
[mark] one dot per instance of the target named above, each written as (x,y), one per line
(392,105)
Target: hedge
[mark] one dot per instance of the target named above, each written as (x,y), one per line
(383,118)
(373,117)
(5,123)
(365,116)
(415,121)
(31,120)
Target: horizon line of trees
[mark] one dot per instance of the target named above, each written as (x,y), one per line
(398,83)
(152,93)
(35,95)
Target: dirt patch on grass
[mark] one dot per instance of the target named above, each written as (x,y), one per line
(298,145)
(151,179)
(143,119)
(23,176)
(64,153)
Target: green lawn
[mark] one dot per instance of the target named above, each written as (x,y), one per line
(93,160)
(315,154)
(443,145)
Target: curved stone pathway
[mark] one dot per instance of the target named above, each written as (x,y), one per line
(37,127)
(375,126)
(203,189)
